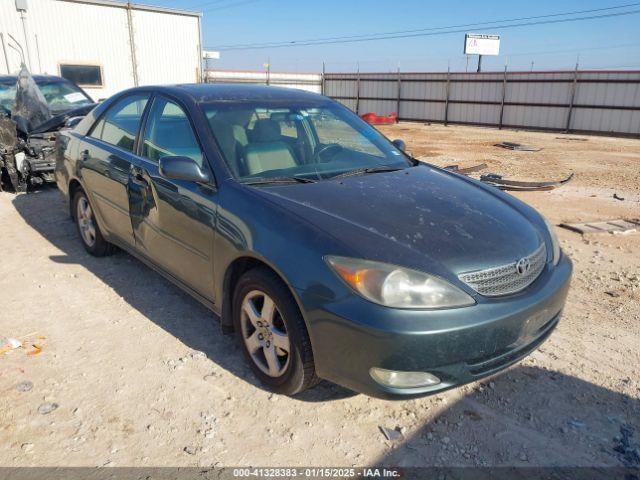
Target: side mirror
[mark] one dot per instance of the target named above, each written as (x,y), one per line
(182,168)
(399,144)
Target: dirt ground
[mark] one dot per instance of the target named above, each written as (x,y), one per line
(142,376)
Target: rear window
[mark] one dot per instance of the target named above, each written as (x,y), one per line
(120,124)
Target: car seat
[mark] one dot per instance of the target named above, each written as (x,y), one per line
(267,151)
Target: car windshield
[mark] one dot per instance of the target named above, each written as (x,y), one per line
(315,141)
(7,96)
(62,95)
(59,94)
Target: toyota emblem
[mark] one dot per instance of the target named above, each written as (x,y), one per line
(523,266)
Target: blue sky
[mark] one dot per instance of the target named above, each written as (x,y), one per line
(603,43)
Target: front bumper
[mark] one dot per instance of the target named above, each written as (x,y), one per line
(459,345)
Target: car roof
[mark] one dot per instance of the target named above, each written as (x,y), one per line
(37,78)
(208,92)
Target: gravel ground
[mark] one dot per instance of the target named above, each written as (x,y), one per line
(120,368)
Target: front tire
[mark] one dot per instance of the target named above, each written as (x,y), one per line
(88,229)
(272,333)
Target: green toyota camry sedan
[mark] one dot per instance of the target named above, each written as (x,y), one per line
(329,251)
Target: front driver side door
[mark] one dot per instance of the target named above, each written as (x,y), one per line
(173,220)
(106,155)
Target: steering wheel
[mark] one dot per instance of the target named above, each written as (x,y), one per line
(317,158)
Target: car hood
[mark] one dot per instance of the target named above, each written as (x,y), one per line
(420,217)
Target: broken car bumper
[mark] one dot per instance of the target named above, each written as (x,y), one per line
(461,345)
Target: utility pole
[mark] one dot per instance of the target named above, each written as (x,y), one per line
(21,6)
(268,65)
(134,61)
(399,93)
(358,88)
(4,50)
(574,87)
(38,54)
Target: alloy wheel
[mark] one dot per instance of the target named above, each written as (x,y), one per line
(85,220)
(265,333)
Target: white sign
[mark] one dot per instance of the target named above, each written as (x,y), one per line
(481,44)
(211,54)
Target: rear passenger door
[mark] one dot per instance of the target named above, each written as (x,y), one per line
(105,159)
(173,220)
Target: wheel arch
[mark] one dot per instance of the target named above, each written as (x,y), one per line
(234,271)
(74,186)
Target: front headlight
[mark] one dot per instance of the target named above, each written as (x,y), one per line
(397,287)
(554,241)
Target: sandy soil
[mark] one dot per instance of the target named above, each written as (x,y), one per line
(142,376)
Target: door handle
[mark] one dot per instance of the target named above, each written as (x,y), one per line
(137,177)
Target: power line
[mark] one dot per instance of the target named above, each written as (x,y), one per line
(434,30)
(575,12)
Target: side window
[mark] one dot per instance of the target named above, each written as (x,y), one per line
(168,132)
(120,125)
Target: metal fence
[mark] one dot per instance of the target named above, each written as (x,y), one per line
(604,102)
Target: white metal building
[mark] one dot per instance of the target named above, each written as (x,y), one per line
(103,45)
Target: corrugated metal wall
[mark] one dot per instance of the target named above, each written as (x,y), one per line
(583,101)
(97,33)
(167,48)
(311,82)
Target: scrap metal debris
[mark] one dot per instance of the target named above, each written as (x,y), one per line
(466,170)
(391,434)
(372,117)
(618,226)
(573,139)
(518,146)
(521,186)
(8,343)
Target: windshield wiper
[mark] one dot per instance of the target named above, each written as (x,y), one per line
(277,180)
(363,171)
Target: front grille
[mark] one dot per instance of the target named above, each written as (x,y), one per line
(506,279)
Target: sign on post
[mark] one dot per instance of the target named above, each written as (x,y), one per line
(481,44)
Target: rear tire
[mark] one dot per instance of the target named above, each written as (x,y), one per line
(88,229)
(272,333)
